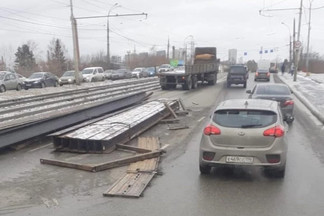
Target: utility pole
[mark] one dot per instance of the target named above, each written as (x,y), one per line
(297,55)
(75,46)
(168,49)
(308,37)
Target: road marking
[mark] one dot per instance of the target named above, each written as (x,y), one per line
(35,149)
(202,118)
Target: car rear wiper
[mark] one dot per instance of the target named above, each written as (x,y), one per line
(251,125)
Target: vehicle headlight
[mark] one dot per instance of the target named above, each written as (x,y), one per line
(69,80)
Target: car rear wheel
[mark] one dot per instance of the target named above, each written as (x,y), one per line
(92,80)
(2,88)
(244,85)
(56,84)
(42,85)
(204,170)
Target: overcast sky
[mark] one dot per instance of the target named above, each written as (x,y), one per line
(225,24)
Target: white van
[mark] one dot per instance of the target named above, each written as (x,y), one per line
(92,74)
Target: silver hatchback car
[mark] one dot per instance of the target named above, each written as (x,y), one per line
(245,132)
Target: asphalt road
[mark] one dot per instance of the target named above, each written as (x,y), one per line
(28,188)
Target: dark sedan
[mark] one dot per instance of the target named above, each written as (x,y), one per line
(41,80)
(277,92)
(121,74)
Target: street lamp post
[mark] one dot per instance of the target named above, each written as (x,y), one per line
(289,40)
(308,36)
(108,44)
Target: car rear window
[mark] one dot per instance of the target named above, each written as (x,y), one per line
(272,90)
(237,70)
(244,118)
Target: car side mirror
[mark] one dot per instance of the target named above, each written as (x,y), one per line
(248,91)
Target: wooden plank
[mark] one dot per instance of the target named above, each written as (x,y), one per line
(125,161)
(177,127)
(169,121)
(132,148)
(67,164)
(171,110)
(130,185)
(139,174)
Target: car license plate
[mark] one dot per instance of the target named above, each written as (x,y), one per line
(28,84)
(239,159)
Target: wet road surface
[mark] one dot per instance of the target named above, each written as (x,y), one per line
(181,190)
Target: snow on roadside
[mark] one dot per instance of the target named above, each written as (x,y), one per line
(311,87)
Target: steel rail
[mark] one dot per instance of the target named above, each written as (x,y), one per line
(69,97)
(16,101)
(41,111)
(26,131)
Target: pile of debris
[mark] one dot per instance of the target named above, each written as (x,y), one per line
(108,133)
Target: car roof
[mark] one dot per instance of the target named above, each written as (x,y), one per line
(91,68)
(258,104)
(271,84)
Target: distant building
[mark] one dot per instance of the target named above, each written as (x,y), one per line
(232,56)
(116,59)
(161,53)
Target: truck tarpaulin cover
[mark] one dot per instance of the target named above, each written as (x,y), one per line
(204,56)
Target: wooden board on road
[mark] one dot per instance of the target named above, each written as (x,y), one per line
(139,174)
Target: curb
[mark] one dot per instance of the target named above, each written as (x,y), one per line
(306,102)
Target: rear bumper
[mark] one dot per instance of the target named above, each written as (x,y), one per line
(259,154)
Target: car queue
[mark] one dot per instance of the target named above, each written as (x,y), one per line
(15,81)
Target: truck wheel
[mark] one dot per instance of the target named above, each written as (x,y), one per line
(194,82)
(164,87)
(188,84)
(213,81)
(171,86)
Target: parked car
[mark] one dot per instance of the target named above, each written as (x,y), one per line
(238,74)
(121,74)
(41,80)
(151,71)
(246,132)
(9,81)
(69,78)
(165,68)
(92,74)
(277,92)
(22,80)
(139,73)
(108,73)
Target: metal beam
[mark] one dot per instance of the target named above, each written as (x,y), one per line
(27,131)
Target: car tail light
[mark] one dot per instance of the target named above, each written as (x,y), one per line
(273,158)
(211,130)
(268,74)
(277,131)
(208,155)
(183,78)
(289,102)
(257,74)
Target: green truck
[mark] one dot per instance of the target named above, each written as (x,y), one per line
(203,70)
